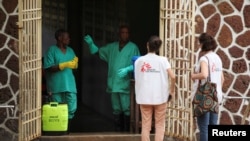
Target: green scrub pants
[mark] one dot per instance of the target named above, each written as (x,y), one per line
(120,103)
(69,98)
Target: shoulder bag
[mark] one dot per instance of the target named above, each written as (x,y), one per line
(205,98)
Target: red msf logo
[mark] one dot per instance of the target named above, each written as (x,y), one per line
(213,67)
(145,67)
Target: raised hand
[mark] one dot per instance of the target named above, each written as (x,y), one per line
(92,47)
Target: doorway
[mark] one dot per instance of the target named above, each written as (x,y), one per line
(101,19)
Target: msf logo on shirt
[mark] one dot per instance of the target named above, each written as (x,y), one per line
(146,67)
(214,68)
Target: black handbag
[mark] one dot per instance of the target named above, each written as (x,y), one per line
(205,98)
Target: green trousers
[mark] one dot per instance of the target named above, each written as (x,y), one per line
(120,103)
(69,98)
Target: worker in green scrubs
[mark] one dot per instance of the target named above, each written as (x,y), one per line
(59,62)
(118,55)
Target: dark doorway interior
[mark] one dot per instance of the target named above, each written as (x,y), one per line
(94,112)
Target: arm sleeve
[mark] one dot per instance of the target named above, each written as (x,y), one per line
(105,51)
(49,59)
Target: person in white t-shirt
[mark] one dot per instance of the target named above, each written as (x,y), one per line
(152,88)
(208,45)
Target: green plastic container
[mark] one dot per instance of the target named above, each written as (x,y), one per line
(55,117)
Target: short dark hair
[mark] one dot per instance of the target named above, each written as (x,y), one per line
(59,33)
(154,43)
(208,42)
(124,26)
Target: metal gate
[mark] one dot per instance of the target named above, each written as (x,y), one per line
(177,32)
(29,24)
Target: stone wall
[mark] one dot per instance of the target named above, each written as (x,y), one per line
(227,20)
(8,69)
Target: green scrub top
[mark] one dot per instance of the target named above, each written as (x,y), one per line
(61,81)
(116,60)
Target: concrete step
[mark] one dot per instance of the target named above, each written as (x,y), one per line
(93,137)
(99,137)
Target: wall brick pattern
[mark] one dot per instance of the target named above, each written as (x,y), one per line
(9,67)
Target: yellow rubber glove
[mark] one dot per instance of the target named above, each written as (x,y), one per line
(73,64)
(76,60)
